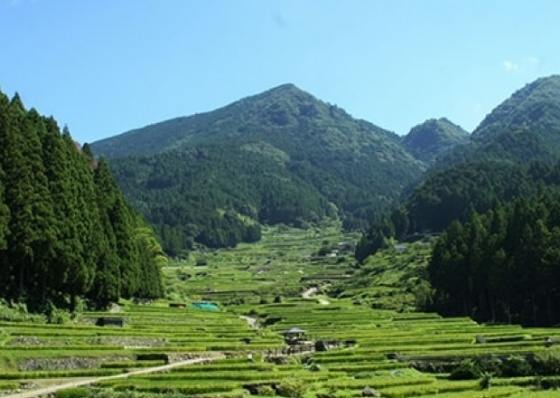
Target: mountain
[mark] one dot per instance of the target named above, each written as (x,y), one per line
(282,156)
(534,108)
(513,153)
(523,128)
(429,140)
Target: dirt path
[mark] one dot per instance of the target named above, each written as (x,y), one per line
(309,292)
(312,291)
(52,389)
(253,322)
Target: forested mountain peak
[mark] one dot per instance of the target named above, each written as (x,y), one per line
(281,156)
(534,108)
(428,140)
(284,112)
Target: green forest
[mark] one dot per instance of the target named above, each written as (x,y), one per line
(67,234)
(494,200)
(502,266)
(282,156)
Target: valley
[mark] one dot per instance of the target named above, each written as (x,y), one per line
(348,346)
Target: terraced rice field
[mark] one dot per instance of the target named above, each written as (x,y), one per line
(371,351)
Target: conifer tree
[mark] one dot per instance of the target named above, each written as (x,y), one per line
(31,239)
(107,282)
(4,210)
(66,231)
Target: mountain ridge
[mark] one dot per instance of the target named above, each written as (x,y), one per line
(514,153)
(283,137)
(278,102)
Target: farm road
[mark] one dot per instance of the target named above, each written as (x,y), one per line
(52,389)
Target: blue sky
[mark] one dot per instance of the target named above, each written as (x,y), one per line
(105,66)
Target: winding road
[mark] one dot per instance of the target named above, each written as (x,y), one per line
(52,389)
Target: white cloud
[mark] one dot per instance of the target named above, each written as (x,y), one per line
(510,66)
(521,65)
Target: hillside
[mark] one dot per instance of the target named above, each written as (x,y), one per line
(278,157)
(434,137)
(511,154)
(534,108)
(494,163)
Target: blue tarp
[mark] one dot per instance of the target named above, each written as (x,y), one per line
(205,306)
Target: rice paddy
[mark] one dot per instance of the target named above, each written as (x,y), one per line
(342,347)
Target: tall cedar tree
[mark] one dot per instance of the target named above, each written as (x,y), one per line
(65,229)
(502,266)
(32,236)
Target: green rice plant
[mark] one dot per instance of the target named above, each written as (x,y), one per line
(7,385)
(177,388)
(77,392)
(494,392)
(439,387)
(378,382)
(47,374)
(131,364)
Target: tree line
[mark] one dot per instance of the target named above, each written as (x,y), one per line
(496,258)
(66,231)
(503,265)
(450,194)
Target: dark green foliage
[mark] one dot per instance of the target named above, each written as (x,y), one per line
(278,157)
(508,156)
(487,366)
(502,266)
(64,232)
(76,392)
(535,107)
(376,239)
(432,138)
(516,366)
(453,193)
(547,363)
(467,370)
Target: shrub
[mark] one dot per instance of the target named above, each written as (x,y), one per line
(267,391)
(490,364)
(516,366)
(467,370)
(292,388)
(547,363)
(56,315)
(485,381)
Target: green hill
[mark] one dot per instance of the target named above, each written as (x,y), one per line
(535,108)
(511,154)
(429,140)
(278,157)
(494,164)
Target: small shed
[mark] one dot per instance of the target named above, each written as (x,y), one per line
(110,321)
(294,335)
